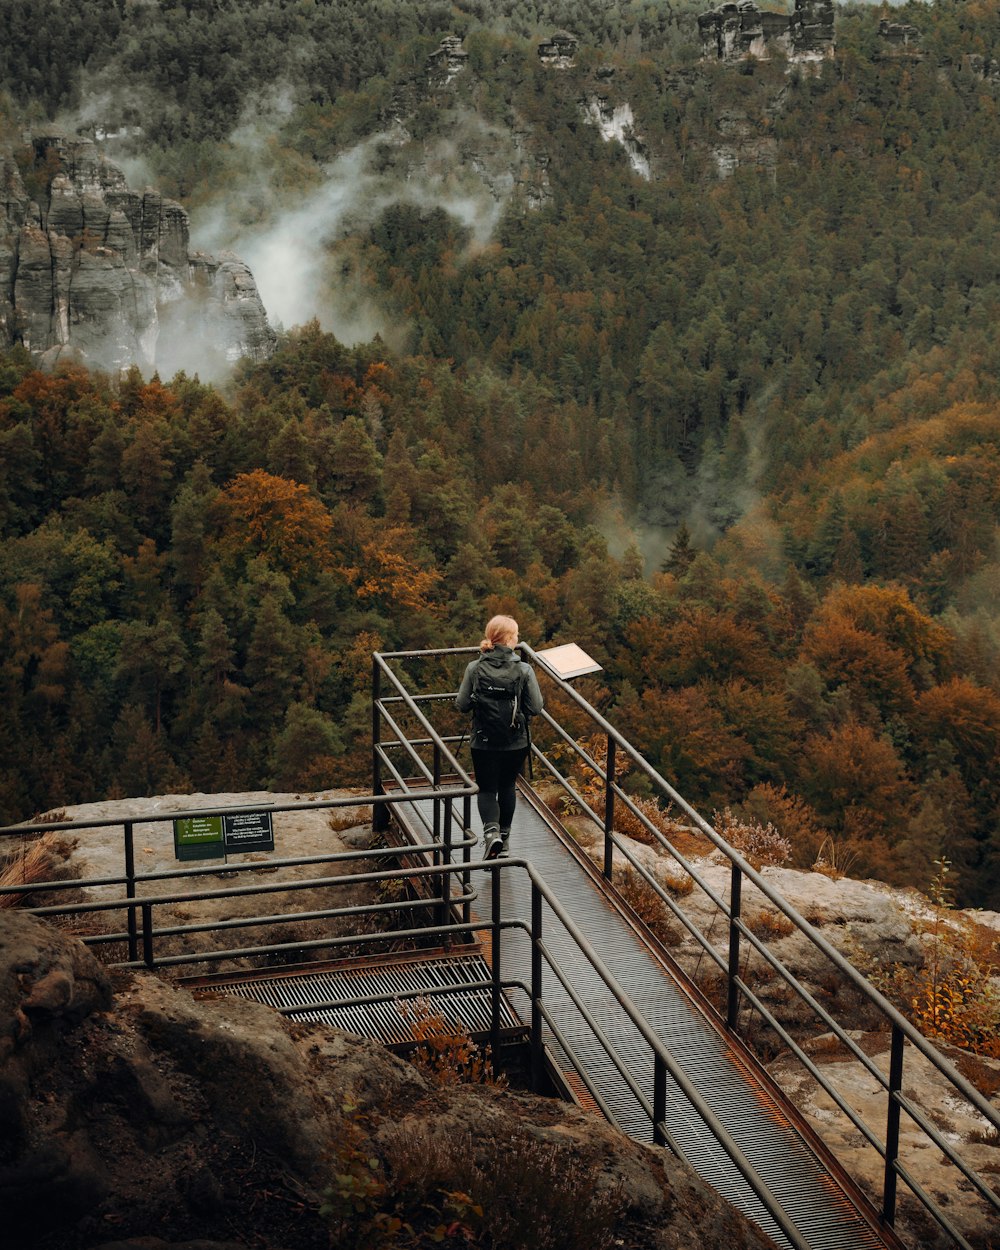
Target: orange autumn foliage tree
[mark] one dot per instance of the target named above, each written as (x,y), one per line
(855,780)
(860,661)
(391,571)
(34,658)
(965,714)
(889,613)
(383,563)
(276,518)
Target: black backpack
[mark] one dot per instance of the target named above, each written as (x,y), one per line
(497,717)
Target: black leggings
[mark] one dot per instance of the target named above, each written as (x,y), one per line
(496,775)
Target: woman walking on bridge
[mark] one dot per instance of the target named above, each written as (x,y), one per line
(501,691)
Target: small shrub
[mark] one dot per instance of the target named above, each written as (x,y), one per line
(791,816)
(761,844)
(629,824)
(567,805)
(352,1202)
(445,1051)
(953,996)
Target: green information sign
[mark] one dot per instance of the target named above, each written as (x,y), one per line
(199,837)
(214,837)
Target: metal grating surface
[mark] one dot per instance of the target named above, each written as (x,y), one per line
(386,1022)
(801,1183)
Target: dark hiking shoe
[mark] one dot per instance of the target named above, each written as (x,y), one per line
(491,841)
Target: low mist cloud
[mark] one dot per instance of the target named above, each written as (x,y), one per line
(289,252)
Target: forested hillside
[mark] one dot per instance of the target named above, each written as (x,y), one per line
(786,358)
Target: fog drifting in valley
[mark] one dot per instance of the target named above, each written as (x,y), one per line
(289,249)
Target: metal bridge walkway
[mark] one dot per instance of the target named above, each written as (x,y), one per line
(812,1192)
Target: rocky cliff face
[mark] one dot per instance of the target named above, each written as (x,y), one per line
(93,269)
(133,1117)
(616,122)
(734,31)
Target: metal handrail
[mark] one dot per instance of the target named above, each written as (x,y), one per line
(900,1028)
(663,1061)
(444,793)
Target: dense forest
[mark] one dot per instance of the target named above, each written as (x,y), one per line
(792,366)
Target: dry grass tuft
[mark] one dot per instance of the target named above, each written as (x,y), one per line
(768,923)
(35,860)
(680,884)
(648,906)
(517,1191)
(349,818)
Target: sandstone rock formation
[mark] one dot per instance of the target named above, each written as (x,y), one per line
(93,269)
(735,31)
(446,61)
(616,121)
(558,51)
(66,1049)
(134,1115)
(898,39)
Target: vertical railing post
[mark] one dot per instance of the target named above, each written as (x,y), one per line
(495,908)
(380,811)
(732,994)
(609,809)
(446,876)
(147,935)
(536,988)
(659,1100)
(466,855)
(133,943)
(888,1214)
(447,834)
(437,802)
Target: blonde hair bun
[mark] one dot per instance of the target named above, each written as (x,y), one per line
(500,631)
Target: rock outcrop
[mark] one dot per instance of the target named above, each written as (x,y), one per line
(447,61)
(559,50)
(133,1115)
(898,39)
(735,31)
(95,270)
(616,122)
